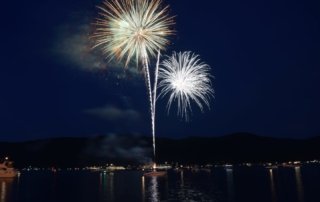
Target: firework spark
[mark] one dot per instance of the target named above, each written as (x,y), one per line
(133,29)
(184,78)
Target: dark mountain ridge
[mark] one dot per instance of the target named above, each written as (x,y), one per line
(235,148)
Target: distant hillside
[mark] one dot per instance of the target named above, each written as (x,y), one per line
(238,148)
(71,152)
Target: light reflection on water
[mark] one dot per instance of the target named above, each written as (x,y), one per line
(185,189)
(153,190)
(300,191)
(181,179)
(143,189)
(5,189)
(230,184)
(107,186)
(272,186)
(220,185)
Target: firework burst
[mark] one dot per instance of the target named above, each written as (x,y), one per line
(185,78)
(133,29)
(139,30)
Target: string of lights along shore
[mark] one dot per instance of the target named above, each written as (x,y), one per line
(136,31)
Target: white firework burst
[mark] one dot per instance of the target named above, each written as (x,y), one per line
(132,28)
(185,79)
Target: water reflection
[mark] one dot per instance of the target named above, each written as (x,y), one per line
(184,189)
(220,186)
(181,179)
(230,184)
(5,189)
(152,189)
(107,186)
(272,186)
(299,184)
(143,189)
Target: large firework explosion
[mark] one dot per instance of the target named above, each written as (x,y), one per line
(185,78)
(133,28)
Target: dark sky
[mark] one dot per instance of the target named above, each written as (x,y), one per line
(265,56)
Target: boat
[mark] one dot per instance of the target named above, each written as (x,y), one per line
(272,167)
(7,170)
(228,166)
(156,171)
(156,174)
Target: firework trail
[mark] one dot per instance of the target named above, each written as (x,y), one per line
(154,103)
(185,79)
(134,29)
(152,107)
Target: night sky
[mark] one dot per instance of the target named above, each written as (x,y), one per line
(265,56)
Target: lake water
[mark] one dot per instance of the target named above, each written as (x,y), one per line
(254,184)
